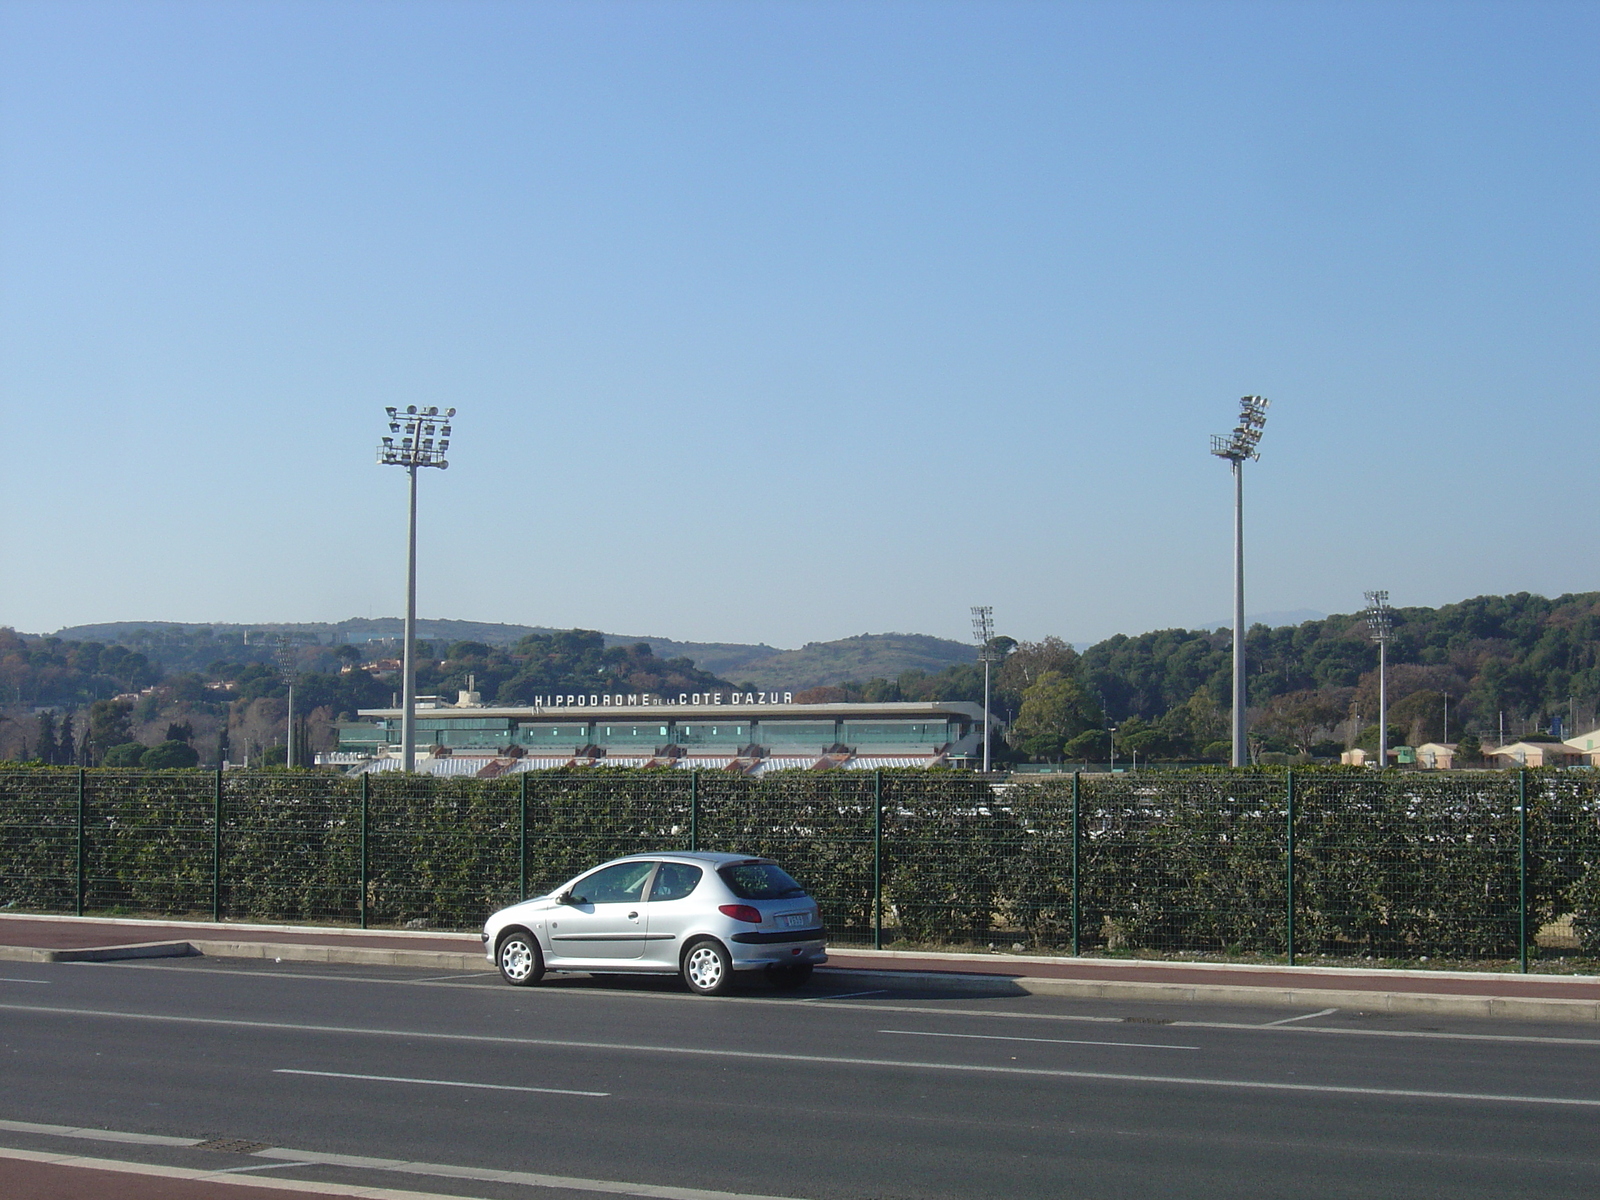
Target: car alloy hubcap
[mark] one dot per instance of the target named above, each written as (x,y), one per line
(516,959)
(705,968)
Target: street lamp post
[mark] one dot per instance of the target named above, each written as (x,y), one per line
(983,634)
(417,438)
(1380,624)
(1236,447)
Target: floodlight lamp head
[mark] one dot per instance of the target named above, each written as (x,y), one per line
(449,412)
(411,409)
(1380,617)
(391,411)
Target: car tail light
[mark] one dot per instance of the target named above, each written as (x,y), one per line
(741,912)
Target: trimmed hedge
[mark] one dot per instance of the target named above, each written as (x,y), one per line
(1394,865)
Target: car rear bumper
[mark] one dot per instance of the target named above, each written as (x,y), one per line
(789,952)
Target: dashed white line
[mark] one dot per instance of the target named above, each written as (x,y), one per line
(996,1037)
(808,1059)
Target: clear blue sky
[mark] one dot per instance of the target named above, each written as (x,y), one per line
(788,321)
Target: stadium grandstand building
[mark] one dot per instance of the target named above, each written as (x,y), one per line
(747,732)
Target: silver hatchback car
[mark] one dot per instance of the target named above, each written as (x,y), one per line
(702,916)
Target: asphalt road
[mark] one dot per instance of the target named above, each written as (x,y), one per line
(802,1095)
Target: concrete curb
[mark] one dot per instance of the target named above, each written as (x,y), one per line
(1521,1008)
(372,956)
(1415,1003)
(98,953)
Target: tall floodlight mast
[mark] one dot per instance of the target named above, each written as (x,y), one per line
(417,438)
(1380,624)
(1236,447)
(289,671)
(983,634)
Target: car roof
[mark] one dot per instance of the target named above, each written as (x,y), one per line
(694,856)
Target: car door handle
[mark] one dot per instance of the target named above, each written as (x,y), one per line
(633,916)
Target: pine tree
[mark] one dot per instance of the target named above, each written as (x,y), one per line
(47,751)
(66,746)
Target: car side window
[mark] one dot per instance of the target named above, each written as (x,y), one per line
(619,884)
(674,881)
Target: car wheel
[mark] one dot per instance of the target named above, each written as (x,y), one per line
(518,957)
(789,976)
(707,969)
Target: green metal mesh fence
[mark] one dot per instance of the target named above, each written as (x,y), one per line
(1392,865)
(818,824)
(38,840)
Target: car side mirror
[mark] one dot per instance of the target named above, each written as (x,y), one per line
(568,898)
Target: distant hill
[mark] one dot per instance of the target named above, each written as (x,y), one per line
(179,645)
(869,656)
(356,631)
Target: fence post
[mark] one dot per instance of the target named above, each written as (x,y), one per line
(216,850)
(1522,868)
(694,809)
(366,791)
(877,859)
(80,841)
(522,842)
(1289,862)
(1077,776)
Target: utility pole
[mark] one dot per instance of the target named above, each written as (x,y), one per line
(983,633)
(1236,447)
(424,436)
(1380,625)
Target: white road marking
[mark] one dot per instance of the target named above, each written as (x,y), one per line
(492,1087)
(995,1037)
(261,1167)
(455,977)
(304,1158)
(8,979)
(816,1059)
(846,996)
(836,1002)
(831,1002)
(1302,1017)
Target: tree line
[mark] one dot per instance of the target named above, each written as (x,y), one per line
(1523,663)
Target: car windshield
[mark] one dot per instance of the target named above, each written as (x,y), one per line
(760,881)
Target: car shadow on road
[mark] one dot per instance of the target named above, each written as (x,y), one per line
(821,987)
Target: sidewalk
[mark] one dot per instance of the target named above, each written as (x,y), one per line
(1453,993)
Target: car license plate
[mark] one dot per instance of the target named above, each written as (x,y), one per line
(794,920)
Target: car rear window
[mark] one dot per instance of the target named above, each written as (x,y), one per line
(759,881)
